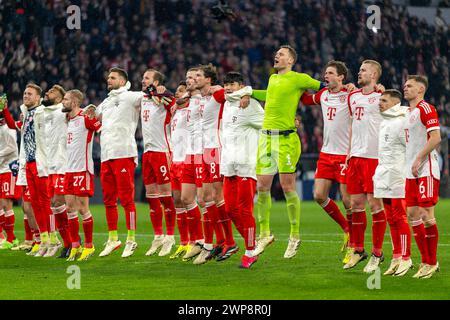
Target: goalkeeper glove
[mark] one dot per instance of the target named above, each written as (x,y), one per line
(3,102)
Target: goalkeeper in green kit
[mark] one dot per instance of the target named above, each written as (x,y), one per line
(279,145)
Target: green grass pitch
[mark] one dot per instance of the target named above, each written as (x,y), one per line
(315,273)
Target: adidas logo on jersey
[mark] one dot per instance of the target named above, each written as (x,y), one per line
(166,178)
(82,189)
(124,170)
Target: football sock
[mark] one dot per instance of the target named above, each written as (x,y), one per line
(195,222)
(182,226)
(156,215)
(263,205)
(62,224)
(431,238)
(419,236)
(9,225)
(405,239)
(113,236)
(88,226)
(131,235)
(226,224)
(396,241)
(359,224)
(2,220)
(28,232)
(333,211)
(44,237)
(349,222)
(207,226)
(293,209)
(74,227)
(378,231)
(169,214)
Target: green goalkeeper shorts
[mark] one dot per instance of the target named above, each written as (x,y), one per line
(278,152)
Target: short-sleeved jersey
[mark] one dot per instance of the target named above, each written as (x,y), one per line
(211,119)
(194,125)
(179,134)
(366,120)
(282,98)
(336,120)
(80,132)
(419,122)
(155,120)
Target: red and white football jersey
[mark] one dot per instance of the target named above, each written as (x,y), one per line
(194,125)
(155,120)
(365,111)
(179,134)
(419,122)
(8,147)
(212,116)
(336,119)
(80,133)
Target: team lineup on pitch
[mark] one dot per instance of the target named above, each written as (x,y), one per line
(210,156)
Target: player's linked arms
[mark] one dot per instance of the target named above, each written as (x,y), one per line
(89,111)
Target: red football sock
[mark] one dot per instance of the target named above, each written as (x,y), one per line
(28,232)
(62,224)
(396,242)
(333,211)
(195,222)
(405,239)
(225,222)
(2,221)
(130,217)
(88,226)
(378,231)
(208,229)
(432,243)
(9,225)
(74,227)
(419,236)
(213,215)
(182,226)
(246,220)
(169,214)
(156,215)
(359,224)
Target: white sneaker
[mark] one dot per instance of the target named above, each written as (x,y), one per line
(156,244)
(24,246)
(419,272)
(429,270)
(130,246)
(110,246)
(395,262)
(42,249)
(201,258)
(168,243)
(403,267)
(52,250)
(262,244)
(355,258)
(292,248)
(373,264)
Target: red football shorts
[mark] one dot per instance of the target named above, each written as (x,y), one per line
(211,167)
(55,185)
(193,170)
(176,174)
(155,167)
(331,167)
(8,188)
(360,173)
(80,184)
(422,192)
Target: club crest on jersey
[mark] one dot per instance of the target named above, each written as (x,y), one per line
(342,98)
(372,100)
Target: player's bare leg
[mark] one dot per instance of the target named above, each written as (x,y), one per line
(288,184)
(165,196)
(263,206)
(322,189)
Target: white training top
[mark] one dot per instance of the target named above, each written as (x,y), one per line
(155,120)
(179,134)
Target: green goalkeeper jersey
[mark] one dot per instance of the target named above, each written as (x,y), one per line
(282,97)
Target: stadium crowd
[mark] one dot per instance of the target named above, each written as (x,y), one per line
(172,35)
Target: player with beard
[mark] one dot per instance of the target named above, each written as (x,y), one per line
(79,177)
(56,131)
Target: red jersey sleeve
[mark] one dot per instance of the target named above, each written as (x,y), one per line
(428,116)
(92,124)
(10,121)
(219,96)
(309,99)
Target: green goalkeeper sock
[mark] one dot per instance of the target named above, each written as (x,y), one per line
(113,236)
(293,208)
(263,205)
(53,237)
(131,235)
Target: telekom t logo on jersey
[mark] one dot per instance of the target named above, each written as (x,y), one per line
(359,112)
(331,113)
(69,138)
(146,115)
